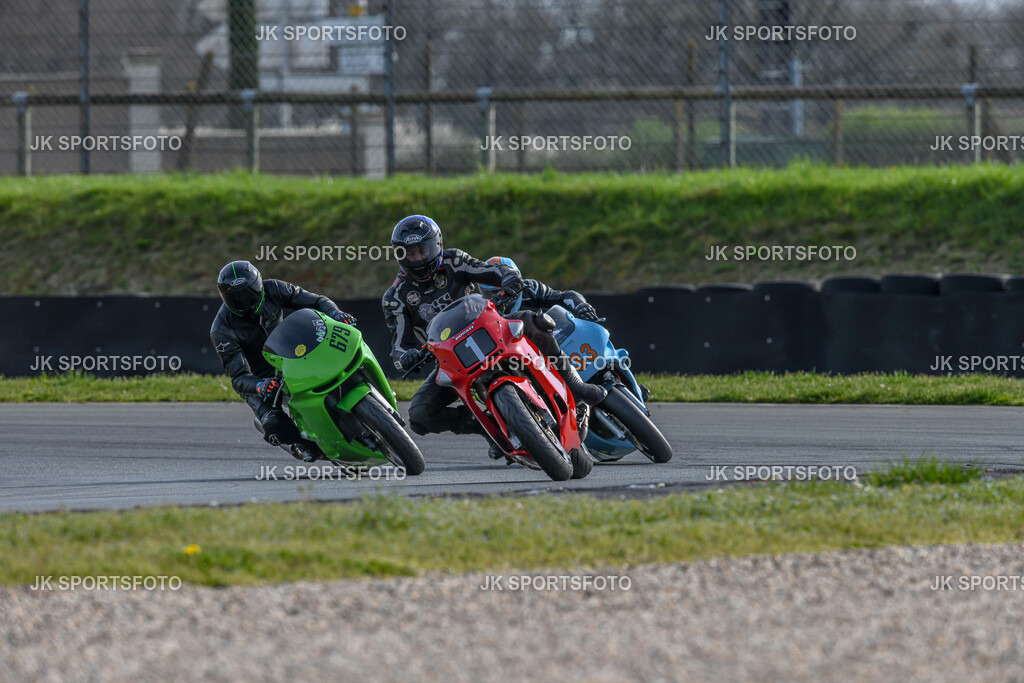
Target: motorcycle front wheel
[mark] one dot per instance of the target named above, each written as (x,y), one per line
(402,451)
(537,440)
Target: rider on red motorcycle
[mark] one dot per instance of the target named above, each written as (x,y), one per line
(430,278)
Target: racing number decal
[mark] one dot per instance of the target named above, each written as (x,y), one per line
(339,338)
(585,356)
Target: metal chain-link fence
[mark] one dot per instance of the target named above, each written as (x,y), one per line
(370,87)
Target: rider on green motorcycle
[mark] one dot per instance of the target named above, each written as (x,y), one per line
(252,308)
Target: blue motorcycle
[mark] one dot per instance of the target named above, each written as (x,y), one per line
(621,423)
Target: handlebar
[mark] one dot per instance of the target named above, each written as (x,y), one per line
(503,301)
(279,394)
(428,357)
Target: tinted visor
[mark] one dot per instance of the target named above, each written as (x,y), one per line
(419,258)
(242,300)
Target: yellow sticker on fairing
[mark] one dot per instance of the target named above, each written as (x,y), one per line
(445,332)
(299,350)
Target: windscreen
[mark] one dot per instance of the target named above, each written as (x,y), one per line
(563,325)
(456,317)
(297,335)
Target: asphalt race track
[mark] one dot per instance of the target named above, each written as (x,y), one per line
(89,456)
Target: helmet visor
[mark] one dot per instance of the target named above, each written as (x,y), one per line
(419,258)
(243,300)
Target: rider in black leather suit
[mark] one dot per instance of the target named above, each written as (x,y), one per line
(252,308)
(430,278)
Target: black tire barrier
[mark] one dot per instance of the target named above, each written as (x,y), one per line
(770,287)
(787,325)
(926,285)
(708,292)
(845,284)
(667,290)
(848,326)
(969,282)
(1014,285)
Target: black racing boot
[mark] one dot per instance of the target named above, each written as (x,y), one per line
(306,451)
(495,453)
(591,394)
(582,419)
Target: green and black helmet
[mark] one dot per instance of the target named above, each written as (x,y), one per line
(241,287)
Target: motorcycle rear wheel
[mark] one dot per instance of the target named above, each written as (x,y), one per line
(646,436)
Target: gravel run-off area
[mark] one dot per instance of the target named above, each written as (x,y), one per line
(849,615)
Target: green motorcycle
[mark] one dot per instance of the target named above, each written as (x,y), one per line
(337,394)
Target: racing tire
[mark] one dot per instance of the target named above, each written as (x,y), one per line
(582,463)
(536,440)
(649,439)
(383,424)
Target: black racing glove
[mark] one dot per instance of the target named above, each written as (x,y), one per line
(267,387)
(513,284)
(343,317)
(586,312)
(411,359)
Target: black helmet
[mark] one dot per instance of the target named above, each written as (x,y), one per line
(241,287)
(418,246)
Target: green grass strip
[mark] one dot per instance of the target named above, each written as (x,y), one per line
(385,536)
(171,234)
(749,387)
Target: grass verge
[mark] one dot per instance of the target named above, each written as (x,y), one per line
(393,536)
(596,232)
(749,387)
(925,471)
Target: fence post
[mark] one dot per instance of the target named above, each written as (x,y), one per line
(429,125)
(24,115)
(691,107)
(252,115)
(977,130)
(186,156)
(521,132)
(677,136)
(724,86)
(488,125)
(389,89)
(354,136)
(83,82)
(970,93)
(837,132)
(732,133)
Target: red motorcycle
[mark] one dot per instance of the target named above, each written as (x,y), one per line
(520,400)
